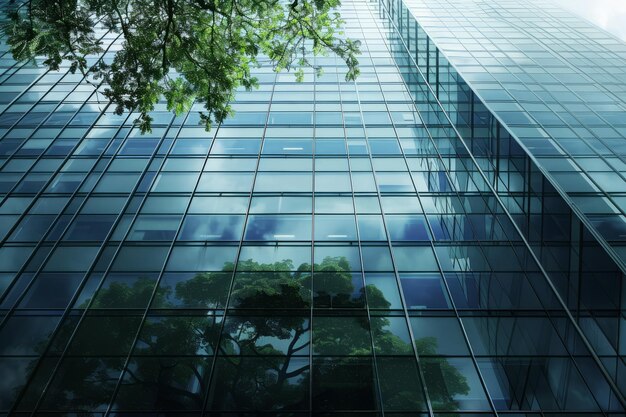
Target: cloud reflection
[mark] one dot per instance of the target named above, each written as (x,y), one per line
(608,14)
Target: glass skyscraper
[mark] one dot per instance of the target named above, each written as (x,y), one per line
(443,237)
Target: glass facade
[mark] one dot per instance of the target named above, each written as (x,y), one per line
(383,247)
(557,83)
(579,266)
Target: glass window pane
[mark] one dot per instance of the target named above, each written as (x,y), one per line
(453,384)
(261,227)
(335,228)
(424,291)
(276,257)
(332,205)
(51,291)
(280,204)
(153,227)
(174,182)
(414,258)
(225,182)
(377,258)
(391,336)
(163,383)
(202,258)
(341,383)
(218,204)
(400,384)
(438,336)
(236,384)
(344,258)
(334,288)
(90,227)
(193,290)
(339,335)
(285,336)
(283,182)
(407,228)
(382,291)
(212,227)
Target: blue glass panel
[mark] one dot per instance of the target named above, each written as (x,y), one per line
(197,227)
(424,291)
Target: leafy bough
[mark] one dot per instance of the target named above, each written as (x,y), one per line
(187,51)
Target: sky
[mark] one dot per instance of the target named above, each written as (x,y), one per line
(608,14)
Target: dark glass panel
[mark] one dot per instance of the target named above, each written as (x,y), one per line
(90,227)
(179,335)
(265,288)
(266,335)
(400,384)
(438,336)
(125,290)
(105,335)
(453,384)
(341,335)
(26,335)
(260,384)
(188,290)
(344,383)
(158,383)
(337,289)
(51,291)
(424,291)
(84,384)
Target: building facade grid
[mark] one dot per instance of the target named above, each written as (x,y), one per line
(335,248)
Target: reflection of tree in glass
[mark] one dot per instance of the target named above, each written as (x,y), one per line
(263,356)
(444,380)
(212,45)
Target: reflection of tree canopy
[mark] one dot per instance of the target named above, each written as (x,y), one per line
(444,380)
(263,353)
(211,44)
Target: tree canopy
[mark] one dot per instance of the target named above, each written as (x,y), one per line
(262,345)
(185,50)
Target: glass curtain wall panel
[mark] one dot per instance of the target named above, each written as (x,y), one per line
(557,84)
(589,281)
(334,249)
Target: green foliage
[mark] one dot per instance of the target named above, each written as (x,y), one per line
(445,381)
(262,344)
(185,50)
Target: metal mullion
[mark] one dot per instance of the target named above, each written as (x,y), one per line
(439,265)
(89,271)
(28,87)
(7,53)
(395,268)
(471,350)
(599,137)
(42,123)
(544,273)
(311,308)
(448,292)
(42,241)
(483,249)
(40,157)
(34,82)
(360,247)
(16,65)
(209,386)
(609,249)
(165,261)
